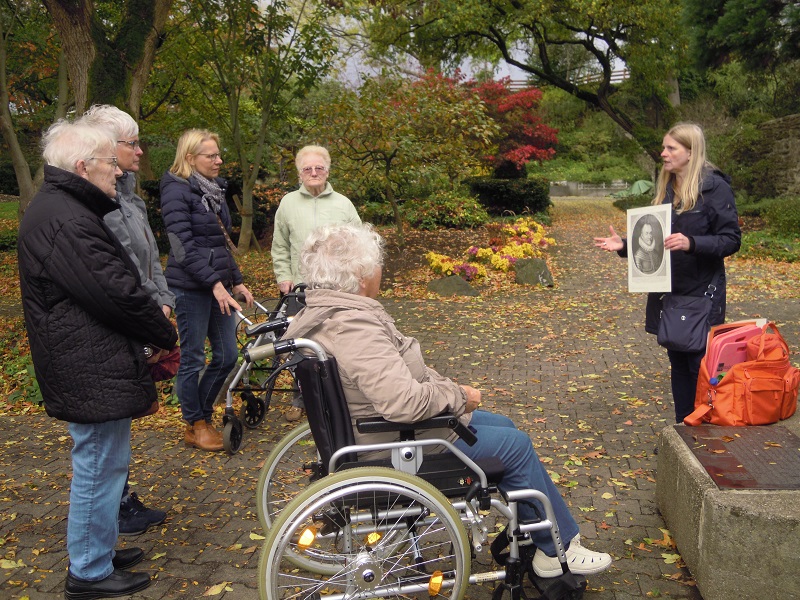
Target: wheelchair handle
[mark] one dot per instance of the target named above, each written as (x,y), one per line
(282,347)
(259,328)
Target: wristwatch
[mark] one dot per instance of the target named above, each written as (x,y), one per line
(148,351)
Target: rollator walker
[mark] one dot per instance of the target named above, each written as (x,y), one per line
(259,382)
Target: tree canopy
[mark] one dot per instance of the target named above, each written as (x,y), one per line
(643,35)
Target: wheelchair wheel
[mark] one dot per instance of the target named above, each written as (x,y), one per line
(289,469)
(368,532)
(253,410)
(279,388)
(232,435)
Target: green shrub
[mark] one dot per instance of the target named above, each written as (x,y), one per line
(770,245)
(8,240)
(445,209)
(8,179)
(377,213)
(516,196)
(783,215)
(633,201)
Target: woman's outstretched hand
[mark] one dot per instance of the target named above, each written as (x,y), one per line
(613,243)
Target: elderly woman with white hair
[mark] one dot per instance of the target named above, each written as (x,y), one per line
(299,213)
(88,321)
(129,223)
(383,374)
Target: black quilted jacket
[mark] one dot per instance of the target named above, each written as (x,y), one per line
(86,313)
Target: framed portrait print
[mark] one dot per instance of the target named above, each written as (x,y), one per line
(649,267)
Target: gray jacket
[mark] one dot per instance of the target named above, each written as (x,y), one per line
(383,372)
(131,227)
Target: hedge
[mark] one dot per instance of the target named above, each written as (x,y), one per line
(517,196)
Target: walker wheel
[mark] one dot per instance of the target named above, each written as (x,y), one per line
(232,435)
(253,410)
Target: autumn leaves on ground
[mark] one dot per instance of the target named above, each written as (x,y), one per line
(570,365)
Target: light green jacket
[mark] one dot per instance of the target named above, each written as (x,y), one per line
(298,214)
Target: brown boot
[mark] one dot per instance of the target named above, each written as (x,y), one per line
(188,436)
(204,438)
(215,434)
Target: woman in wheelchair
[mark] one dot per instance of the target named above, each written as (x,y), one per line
(383,374)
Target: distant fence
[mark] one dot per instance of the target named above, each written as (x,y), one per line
(574,188)
(617,76)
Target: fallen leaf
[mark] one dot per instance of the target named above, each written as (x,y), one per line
(216,590)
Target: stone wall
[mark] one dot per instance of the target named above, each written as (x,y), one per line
(784,153)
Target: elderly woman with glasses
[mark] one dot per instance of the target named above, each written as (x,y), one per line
(299,213)
(203,275)
(129,223)
(383,374)
(87,341)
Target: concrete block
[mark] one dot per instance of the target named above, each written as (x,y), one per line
(742,544)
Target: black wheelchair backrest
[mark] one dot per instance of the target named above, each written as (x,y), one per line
(326,406)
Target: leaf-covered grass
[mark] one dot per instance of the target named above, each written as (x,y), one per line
(770,245)
(8,211)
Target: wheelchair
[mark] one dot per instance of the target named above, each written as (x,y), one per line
(258,382)
(342,522)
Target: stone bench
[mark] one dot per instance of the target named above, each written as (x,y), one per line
(737,543)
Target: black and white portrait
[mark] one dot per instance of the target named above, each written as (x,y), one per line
(647,244)
(648,263)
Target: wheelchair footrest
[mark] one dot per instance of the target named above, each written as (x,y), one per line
(567,586)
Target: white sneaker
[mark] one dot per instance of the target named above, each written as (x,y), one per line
(580,561)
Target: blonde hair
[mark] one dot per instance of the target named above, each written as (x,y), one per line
(323,152)
(690,136)
(189,143)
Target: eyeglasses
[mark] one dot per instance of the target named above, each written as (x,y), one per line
(113,159)
(310,170)
(134,144)
(214,156)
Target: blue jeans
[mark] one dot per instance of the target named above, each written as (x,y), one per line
(199,317)
(685,367)
(100,459)
(498,436)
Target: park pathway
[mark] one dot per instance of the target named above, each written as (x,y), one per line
(571,365)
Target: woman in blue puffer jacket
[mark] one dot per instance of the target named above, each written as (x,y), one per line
(705,229)
(203,275)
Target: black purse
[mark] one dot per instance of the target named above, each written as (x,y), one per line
(684,323)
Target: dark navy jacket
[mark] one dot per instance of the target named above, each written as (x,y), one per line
(713,226)
(199,256)
(87,316)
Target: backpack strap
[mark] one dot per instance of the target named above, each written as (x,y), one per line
(697,416)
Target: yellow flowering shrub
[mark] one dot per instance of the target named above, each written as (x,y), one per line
(525,238)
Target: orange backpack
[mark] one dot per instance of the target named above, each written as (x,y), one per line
(757,391)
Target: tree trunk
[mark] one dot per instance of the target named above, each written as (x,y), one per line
(73,21)
(246,232)
(101,69)
(398,216)
(141,72)
(21,168)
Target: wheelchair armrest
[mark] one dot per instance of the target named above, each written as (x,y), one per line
(443,421)
(276,325)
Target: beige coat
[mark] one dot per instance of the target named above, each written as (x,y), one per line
(382,371)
